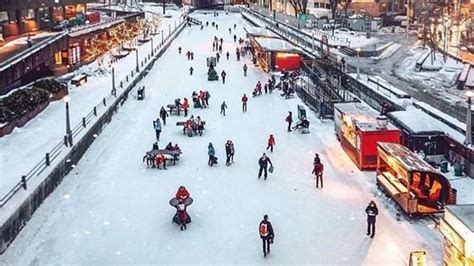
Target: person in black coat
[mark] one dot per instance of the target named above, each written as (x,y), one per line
(163,115)
(228,152)
(263,163)
(289,120)
(267,234)
(372,212)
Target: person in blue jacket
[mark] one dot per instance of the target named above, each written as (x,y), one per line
(157,126)
(211,152)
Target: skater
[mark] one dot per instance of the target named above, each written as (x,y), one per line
(163,115)
(271,143)
(185,106)
(223,74)
(157,126)
(266,234)
(218,56)
(179,50)
(188,55)
(235,38)
(232,151)
(263,163)
(222,41)
(235,26)
(207,95)
(191,69)
(318,172)
(289,120)
(207,23)
(238,56)
(245,70)
(211,152)
(223,107)
(217,27)
(316,160)
(182,193)
(213,46)
(228,152)
(244,103)
(372,212)
(227,55)
(202,27)
(192,56)
(149,159)
(230,31)
(220,48)
(265,88)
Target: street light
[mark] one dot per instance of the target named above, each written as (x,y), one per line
(152,46)
(358,70)
(468,140)
(162,37)
(67,99)
(445,24)
(138,68)
(114,92)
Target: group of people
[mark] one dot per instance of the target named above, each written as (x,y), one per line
(268,87)
(201,99)
(193,126)
(155,160)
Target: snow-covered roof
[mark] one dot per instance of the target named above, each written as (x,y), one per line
(276,45)
(260,32)
(465,213)
(407,158)
(418,121)
(99,26)
(364,116)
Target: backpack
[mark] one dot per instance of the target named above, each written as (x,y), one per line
(263,229)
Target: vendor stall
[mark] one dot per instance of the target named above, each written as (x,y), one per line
(457,227)
(359,128)
(413,183)
(275,54)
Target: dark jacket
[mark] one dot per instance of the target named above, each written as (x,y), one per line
(371,213)
(228,149)
(163,113)
(270,234)
(264,162)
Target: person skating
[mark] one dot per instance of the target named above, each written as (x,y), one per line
(192,55)
(372,212)
(185,106)
(265,88)
(211,152)
(207,95)
(267,234)
(179,50)
(191,69)
(271,143)
(157,126)
(263,163)
(182,193)
(230,31)
(227,55)
(245,70)
(289,120)
(244,103)
(188,55)
(318,170)
(228,152)
(316,160)
(235,26)
(223,107)
(223,74)
(235,38)
(218,56)
(220,48)
(232,151)
(163,115)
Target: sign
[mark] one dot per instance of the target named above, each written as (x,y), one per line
(418,258)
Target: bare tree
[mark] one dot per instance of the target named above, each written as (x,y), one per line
(345,4)
(299,6)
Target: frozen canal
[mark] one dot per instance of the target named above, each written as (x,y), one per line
(111,209)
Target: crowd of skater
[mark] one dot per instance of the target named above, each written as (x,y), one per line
(195,126)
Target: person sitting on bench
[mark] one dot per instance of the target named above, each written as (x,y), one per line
(304,123)
(199,125)
(177,102)
(160,159)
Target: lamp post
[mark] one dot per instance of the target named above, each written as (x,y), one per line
(358,62)
(162,37)
(152,46)
(67,99)
(138,66)
(445,45)
(468,140)
(114,92)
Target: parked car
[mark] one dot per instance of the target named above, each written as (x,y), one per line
(62,25)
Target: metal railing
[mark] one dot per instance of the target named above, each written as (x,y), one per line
(92,117)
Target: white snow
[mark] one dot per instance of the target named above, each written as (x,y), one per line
(393,48)
(272,44)
(117,210)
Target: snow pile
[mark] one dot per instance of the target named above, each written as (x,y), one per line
(389,51)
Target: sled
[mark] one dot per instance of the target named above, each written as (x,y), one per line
(174,202)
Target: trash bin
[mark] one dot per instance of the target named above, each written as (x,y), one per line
(458,169)
(443,166)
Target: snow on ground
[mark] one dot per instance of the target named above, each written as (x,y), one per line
(111,209)
(441,82)
(26,146)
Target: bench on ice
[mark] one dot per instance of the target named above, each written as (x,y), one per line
(171,155)
(173,108)
(193,130)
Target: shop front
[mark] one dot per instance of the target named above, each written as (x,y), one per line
(413,183)
(457,227)
(359,128)
(273,54)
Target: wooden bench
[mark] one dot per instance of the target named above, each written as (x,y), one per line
(192,132)
(174,109)
(79,80)
(172,155)
(181,123)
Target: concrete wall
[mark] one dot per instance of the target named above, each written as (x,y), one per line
(20,217)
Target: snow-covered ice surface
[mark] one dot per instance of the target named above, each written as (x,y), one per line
(111,209)
(26,146)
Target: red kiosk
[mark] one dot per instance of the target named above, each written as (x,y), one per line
(276,54)
(359,128)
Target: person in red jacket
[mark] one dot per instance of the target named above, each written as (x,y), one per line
(185,106)
(271,143)
(244,103)
(318,171)
(182,193)
(160,160)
